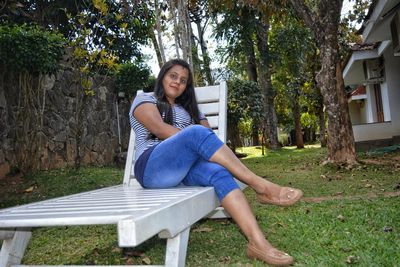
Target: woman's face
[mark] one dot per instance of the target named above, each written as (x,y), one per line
(175,82)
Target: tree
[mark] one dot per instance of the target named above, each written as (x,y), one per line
(271,122)
(124,25)
(324,20)
(291,44)
(199,14)
(245,103)
(182,29)
(254,32)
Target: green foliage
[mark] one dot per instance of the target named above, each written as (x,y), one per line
(132,77)
(121,27)
(309,120)
(30,49)
(245,103)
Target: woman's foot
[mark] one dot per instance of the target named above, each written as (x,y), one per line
(270,256)
(282,196)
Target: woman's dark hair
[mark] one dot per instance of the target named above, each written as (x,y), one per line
(187,99)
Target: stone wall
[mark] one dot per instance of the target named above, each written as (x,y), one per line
(100,142)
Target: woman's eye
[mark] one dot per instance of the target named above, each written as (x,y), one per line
(173,76)
(183,81)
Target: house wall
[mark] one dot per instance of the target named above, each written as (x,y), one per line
(392,73)
(372,131)
(358,111)
(385,102)
(370,104)
(355,114)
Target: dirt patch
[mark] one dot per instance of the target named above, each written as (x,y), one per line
(11,183)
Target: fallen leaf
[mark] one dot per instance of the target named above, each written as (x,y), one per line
(116,250)
(146,260)
(29,190)
(368,185)
(340,217)
(129,261)
(352,259)
(225,259)
(338,193)
(387,229)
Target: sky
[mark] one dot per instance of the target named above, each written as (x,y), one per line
(170,50)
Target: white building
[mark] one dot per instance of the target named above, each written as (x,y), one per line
(374,71)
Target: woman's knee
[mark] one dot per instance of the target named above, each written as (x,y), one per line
(196,131)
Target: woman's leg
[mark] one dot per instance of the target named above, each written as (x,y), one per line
(259,247)
(171,160)
(207,173)
(267,192)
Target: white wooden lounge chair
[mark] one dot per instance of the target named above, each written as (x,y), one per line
(138,213)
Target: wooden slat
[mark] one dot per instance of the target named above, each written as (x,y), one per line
(209,108)
(207,94)
(213,121)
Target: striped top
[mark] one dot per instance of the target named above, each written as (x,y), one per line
(181,119)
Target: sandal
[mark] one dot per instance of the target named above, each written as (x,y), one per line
(272,256)
(287,197)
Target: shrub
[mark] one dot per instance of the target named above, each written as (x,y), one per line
(30,49)
(131,78)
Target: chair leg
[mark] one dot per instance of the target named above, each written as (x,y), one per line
(14,245)
(176,249)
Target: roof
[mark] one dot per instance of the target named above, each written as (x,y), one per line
(360,90)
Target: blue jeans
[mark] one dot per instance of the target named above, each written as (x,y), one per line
(184,158)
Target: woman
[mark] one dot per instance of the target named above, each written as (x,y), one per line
(175,145)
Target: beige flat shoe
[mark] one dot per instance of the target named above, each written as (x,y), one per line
(272,256)
(287,197)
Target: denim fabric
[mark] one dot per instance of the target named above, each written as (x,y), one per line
(183,158)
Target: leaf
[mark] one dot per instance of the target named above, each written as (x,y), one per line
(352,259)
(340,217)
(29,190)
(146,260)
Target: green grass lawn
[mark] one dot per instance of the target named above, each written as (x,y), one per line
(364,231)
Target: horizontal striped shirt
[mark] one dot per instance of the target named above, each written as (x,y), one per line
(181,119)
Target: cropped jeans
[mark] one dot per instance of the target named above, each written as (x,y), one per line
(184,159)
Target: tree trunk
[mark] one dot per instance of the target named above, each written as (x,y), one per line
(321,119)
(266,85)
(297,123)
(156,48)
(204,52)
(184,31)
(160,51)
(252,76)
(324,23)
(174,14)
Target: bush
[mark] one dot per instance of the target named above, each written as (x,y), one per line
(132,77)
(30,49)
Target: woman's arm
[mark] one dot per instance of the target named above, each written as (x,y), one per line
(149,116)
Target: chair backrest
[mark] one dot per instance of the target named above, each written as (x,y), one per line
(212,102)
